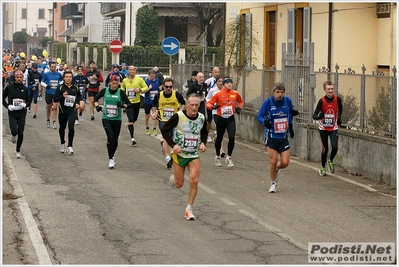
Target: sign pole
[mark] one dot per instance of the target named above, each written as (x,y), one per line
(170,66)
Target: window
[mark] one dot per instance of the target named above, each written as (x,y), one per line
(23,30)
(177,28)
(383,10)
(23,15)
(41,13)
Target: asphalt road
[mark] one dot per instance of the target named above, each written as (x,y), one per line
(62,209)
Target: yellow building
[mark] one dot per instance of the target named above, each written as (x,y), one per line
(348,34)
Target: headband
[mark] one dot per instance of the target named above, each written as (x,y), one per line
(227,80)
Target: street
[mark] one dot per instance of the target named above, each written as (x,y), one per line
(63,209)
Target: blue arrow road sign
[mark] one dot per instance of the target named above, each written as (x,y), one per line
(170,46)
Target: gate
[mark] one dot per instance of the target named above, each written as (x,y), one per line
(299,79)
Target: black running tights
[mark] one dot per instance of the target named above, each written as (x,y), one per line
(112,129)
(334,144)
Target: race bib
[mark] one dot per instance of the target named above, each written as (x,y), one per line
(92,80)
(111,111)
(280,125)
(82,90)
(328,120)
(53,84)
(152,94)
(17,103)
(190,143)
(227,112)
(168,113)
(36,82)
(131,93)
(69,100)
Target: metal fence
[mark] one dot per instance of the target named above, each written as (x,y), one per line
(369,100)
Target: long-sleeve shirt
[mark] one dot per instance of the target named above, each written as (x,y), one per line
(67,104)
(280,115)
(15,94)
(226,101)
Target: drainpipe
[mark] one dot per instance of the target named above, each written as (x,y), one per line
(329,45)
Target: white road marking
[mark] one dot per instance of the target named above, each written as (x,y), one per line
(33,230)
(227,201)
(275,230)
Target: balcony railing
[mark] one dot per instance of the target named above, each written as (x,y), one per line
(71,11)
(112,7)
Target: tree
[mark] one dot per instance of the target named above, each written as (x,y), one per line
(20,37)
(146,27)
(44,40)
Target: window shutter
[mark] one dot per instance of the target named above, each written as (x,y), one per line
(238,38)
(306,30)
(248,38)
(291,31)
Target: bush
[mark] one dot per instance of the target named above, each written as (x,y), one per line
(20,37)
(350,109)
(379,116)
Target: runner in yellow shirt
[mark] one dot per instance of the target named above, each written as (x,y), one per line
(133,86)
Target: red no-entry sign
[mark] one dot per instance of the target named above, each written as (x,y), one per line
(115,46)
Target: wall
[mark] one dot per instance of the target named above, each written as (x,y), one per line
(358,153)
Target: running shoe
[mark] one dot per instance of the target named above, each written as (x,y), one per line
(169,162)
(48,124)
(209,140)
(18,154)
(277,171)
(189,215)
(229,162)
(111,164)
(34,115)
(154,132)
(273,188)
(70,150)
(76,122)
(222,153)
(172,179)
(54,125)
(62,149)
(29,110)
(92,117)
(81,117)
(147,131)
(331,166)
(133,142)
(13,139)
(322,171)
(217,162)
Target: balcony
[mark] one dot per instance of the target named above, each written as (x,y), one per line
(113,9)
(72,11)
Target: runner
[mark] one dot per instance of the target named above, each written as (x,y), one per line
(95,78)
(81,82)
(211,83)
(154,86)
(328,111)
(114,100)
(133,86)
(165,104)
(189,135)
(276,114)
(68,98)
(17,101)
(212,92)
(50,81)
(34,87)
(227,102)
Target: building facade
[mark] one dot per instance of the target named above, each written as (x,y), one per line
(348,34)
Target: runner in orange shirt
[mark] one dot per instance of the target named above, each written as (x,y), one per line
(227,102)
